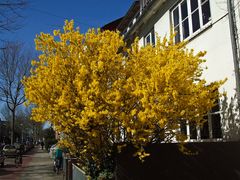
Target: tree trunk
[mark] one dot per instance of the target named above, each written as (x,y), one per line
(13,127)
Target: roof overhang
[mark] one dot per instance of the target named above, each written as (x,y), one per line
(146,15)
(135,7)
(112,26)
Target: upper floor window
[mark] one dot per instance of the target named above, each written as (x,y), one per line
(144,3)
(189,16)
(150,38)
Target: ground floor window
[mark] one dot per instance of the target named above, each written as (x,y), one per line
(211,128)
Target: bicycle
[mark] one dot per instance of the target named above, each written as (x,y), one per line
(57,165)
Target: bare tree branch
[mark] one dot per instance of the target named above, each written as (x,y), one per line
(10,14)
(14,65)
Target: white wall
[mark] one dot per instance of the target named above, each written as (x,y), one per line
(162,27)
(217,42)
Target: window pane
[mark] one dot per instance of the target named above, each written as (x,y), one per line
(204,130)
(130,24)
(184,9)
(193,131)
(194,5)
(138,14)
(216,120)
(206,14)
(216,126)
(216,107)
(148,40)
(183,127)
(195,21)
(185,29)
(177,37)
(176,17)
(153,37)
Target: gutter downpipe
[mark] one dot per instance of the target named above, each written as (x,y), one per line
(232,27)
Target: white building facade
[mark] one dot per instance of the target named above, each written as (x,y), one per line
(205,25)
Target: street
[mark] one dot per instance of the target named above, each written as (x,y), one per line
(36,165)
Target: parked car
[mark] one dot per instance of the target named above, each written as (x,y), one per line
(10,150)
(2,158)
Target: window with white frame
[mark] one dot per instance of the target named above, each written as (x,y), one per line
(190,16)
(210,129)
(150,38)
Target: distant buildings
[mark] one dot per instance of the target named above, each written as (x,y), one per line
(4,132)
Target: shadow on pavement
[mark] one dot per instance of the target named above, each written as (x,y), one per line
(40,172)
(36,165)
(9,169)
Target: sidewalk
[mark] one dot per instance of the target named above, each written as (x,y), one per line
(37,165)
(40,167)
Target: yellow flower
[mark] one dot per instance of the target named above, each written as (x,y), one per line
(99,97)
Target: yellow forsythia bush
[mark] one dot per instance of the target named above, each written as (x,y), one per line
(102,94)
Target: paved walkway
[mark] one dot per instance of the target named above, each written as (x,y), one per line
(37,165)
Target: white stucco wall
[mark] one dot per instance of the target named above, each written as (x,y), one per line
(162,27)
(217,42)
(141,42)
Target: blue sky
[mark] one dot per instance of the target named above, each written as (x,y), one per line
(47,15)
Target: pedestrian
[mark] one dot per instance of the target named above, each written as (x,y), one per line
(42,144)
(18,158)
(58,158)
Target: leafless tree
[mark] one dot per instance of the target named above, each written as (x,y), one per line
(35,129)
(14,65)
(10,13)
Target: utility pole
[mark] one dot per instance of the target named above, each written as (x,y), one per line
(235,45)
